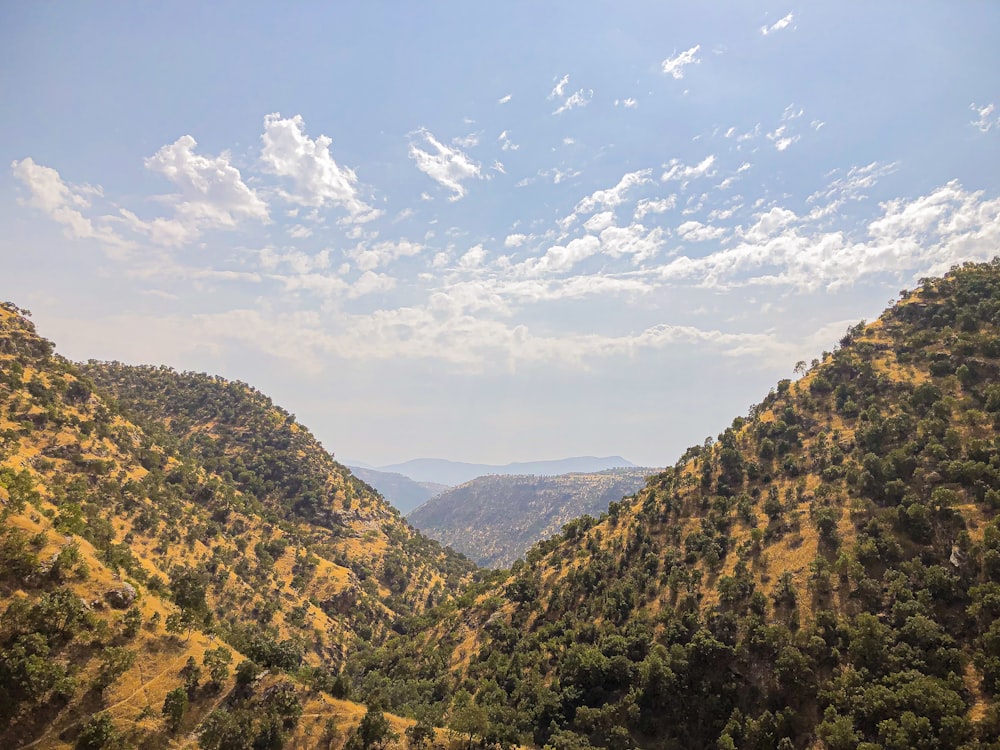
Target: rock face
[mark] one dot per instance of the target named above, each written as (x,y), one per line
(121,597)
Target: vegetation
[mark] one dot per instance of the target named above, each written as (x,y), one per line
(823,573)
(495,519)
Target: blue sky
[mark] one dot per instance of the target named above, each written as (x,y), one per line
(491,234)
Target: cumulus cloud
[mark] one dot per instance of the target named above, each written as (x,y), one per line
(919,236)
(504,99)
(449,167)
(63,202)
(695,231)
(629,103)
(674,66)
(316,177)
(657,206)
(781,23)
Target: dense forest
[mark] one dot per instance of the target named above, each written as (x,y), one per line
(182,564)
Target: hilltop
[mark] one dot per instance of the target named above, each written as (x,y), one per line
(495,519)
(824,573)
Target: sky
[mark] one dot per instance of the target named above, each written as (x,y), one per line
(491,232)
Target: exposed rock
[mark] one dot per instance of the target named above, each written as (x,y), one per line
(121,597)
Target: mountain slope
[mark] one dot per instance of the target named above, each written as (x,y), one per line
(824,574)
(130,571)
(404,493)
(453,473)
(495,519)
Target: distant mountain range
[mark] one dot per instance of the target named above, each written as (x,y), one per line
(452,473)
(494,519)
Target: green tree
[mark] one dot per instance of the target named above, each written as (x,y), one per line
(174,707)
(99,733)
(374,731)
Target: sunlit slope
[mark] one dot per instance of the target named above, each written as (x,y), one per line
(130,570)
(826,572)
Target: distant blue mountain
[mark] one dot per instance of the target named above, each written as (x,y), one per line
(451,473)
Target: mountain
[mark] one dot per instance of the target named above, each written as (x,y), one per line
(178,554)
(495,519)
(404,493)
(452,473)
(823,574)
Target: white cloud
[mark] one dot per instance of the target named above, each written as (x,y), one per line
(371,283)
(212,196)
(560,258)
(295,260)
(781,23)
(610,197)
(505,99)
(446,166)
(629,103)
(62,202)
(383,253)
(559,89)
(781,139)
(682,173)
(498,167)
(675,65)
(473,258)
(317,178)
(579,98)
(916,237)
(506,144)
(659,206)
(633,241)
(515,240)
(852,186)
(599,221)
(695,231)
(984,121)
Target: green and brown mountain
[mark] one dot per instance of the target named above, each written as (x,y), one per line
(181,565)
(823,574)
(495,519)
(163,546)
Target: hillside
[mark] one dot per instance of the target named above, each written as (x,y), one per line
(153,583)
(402,492)
(495,519)
(825,573)
(452,473)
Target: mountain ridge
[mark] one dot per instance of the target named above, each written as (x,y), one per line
(452,473)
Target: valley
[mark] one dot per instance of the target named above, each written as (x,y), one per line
(182,564)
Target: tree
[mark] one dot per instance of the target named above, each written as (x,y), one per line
(115,661)
(374,731)
(217,662)
(419,735)
(99,733)
(174,707)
